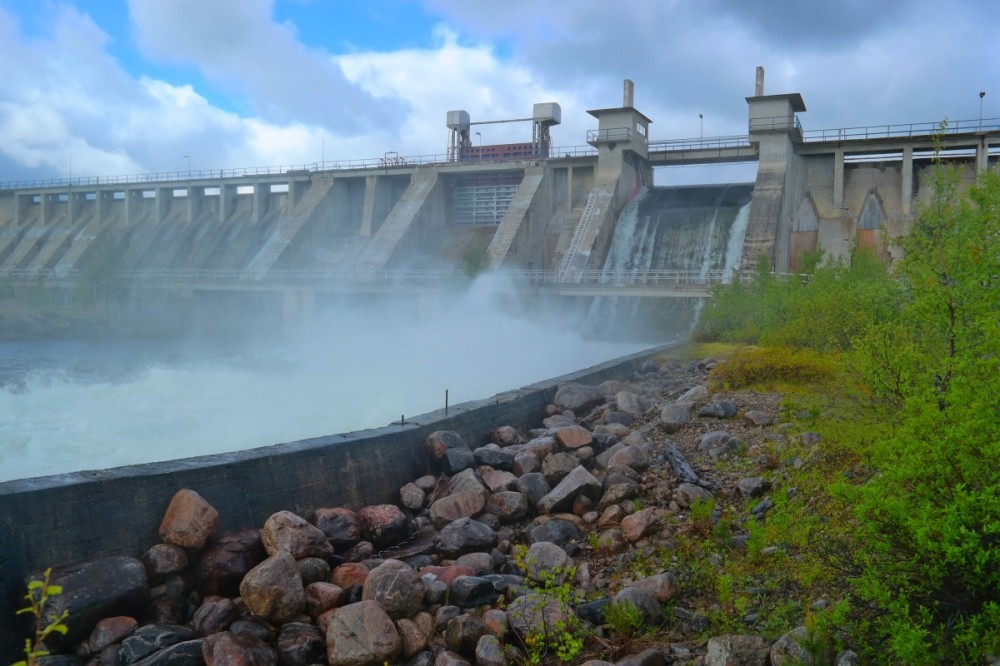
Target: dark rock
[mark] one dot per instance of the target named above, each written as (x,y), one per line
(577,482)
(224,563)
(505,436)
(473,592)
(273,589)
(313,570)
(111,630)
(508,506)
(462,633)
(162,560)
(720,409)
(533,486)
(440,442)
(188,653)
(753,486)
(340,526)
(674,417)
(495,457)
(648,657)
(456,460)
(624,418)
(95,590)
(555,530)
(214,615)
(383,524)
(593,611)
(465,536)
(642,601)
(301,644)
(152,638)
(396,587)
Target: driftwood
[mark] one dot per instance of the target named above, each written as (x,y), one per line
(681,466)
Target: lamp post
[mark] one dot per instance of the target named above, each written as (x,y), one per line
(982,94)
(480,135)
(701,127)
(188,158)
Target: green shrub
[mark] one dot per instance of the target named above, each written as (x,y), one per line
(753,366)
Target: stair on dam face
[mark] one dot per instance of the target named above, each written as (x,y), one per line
(515,216)
(391,233)
(29,245)
(578,253)
(288,227)
(79,244)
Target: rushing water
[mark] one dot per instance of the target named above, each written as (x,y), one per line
(696,228)
(74,405)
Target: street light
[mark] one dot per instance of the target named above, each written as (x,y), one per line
(480,135)
(982,94)
(188,158)
(701,123)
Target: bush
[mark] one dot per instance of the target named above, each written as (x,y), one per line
(752,366)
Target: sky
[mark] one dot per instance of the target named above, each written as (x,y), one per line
(119,87)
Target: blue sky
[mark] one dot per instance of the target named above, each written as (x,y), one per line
(114,87)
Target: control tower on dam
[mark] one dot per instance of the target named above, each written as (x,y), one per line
(530,207)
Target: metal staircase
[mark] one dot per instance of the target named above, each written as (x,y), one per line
(596,200)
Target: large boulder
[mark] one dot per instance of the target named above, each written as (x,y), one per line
(273,589)
(287,531)
(579,398)
(189,521)
(383,524)
(465,535)
(361,634)
(396,587)
(340,525)
(577,482)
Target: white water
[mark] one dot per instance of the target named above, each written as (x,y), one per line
(351,371)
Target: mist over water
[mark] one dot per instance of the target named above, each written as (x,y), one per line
(72,406)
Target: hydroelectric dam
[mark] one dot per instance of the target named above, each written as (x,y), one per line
(287,238)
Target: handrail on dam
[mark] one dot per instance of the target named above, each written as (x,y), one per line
(903,130)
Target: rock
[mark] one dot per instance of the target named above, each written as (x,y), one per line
(189,520)
(593,611)
(547,560)
(457,460)
(624,418)
(495,621)
(361,634)
(497,480)
(617,488)
(478,562)
(577,482)
(448,658)
(340,526)
(411,497)
(462,633)
(578,397)
(313,570)
(413,638)
(440,441)
(674,417)
(396,587)
(633,457)
(228,648)
(359,552)
(214,615)
(465,535)
(720,409)
(427,483)
(631,403)
(644,602)
(574,436)
(152,638)
(558,421)
(162,560)
(753,486)
(788,650)
(472,592)
(612,516)
(756,417)
(663,587)
(639,524)
(648,657)
(733,650)
(811,438)
(383,524)
(443,616)
(505,436)
(180,654)
(466,481)
(348,574)
(273,589)
(556,466)
(300,644)
(494,456)
(688,493)
(489,652)
(465,504)
(526,462)
(555,530)
(111,630)
(287,531)
(224,563)
(95,590)
(533,486)
(534,612)
(694,394)
(321,597)
(508,506)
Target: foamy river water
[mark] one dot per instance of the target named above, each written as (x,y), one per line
(77,405)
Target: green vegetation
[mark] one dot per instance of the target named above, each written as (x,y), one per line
(46,622)
(897,512)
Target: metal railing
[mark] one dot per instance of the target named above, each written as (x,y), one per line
(360,276)
(614,135)
(387,161)
(775,123)
(700,143)
(904,130)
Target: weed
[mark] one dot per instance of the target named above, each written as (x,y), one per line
(46,622)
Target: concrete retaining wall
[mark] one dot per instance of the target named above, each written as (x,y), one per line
(77,517)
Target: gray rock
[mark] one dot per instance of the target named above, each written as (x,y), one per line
(162,560)
(756,417)
(694,394)
(526,462)
(362,633)
(533,486)
(534,612)
(472,592)
(556,466)
(465,504)
(396,587)
(508,506)
(788,650)
(688,493)
(674,417)
(733,650)
(547,558)
(489,652)
(753,486)
(494,456)
(633,457)
(720,409)
(465,535)
(644,602)
(577,482)
(631,403)
(555,530)
(287,531)
(411,497)
(579,398)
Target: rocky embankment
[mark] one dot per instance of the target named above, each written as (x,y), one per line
(481,562)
